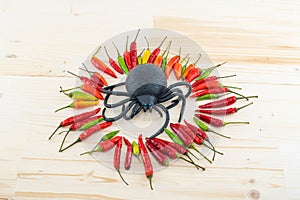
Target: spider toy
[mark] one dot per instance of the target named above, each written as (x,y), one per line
(146,89)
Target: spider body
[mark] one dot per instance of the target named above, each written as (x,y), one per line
(146,89)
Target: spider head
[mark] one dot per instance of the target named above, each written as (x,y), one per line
(147,102)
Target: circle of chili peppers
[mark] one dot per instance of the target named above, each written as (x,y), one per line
(184,136)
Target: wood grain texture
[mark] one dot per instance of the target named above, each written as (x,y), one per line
(43,39)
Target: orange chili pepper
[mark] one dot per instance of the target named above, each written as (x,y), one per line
(175,59)
(191,66)
(95,76)
(178,68)
(79,104)
(101,65)
(159,58)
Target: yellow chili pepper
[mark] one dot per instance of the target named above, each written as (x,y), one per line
(147,53)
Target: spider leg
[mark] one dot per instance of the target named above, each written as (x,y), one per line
(135,110)
(122,102)
(122,114)
(166,122)
(157,110)
(182,84)
(109,90)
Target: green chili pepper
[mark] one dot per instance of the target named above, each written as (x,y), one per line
(184,66)
(209,96)
(107,136)
(164,62)
(204,127)
(78,95)
(140,58)
(208,71)
(135,149)
(121,61)
(90,124)
(174,137)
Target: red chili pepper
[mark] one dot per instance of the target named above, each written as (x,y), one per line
(76,126)
(128,157)
(224,102)
(84,135)
(156,52)
(96,77)
(201,136)
(170,149)
(210,85)
(133,51)
(117,157)
(187,136)
(127,57)
(113,63)
(146,160)
(210,78)
(227,111)
(88,81)
(101,65)
(75,118)
(175,59)
(216,122)
(193,73)
(215,91)
(159,157)
(191,66)
(186,139)
(105,145)
(165,149)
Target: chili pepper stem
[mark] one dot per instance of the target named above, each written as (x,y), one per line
(150,181)
(244,97)
(193,147)
(75,142)
(237,109)
(90,73)
(121,177)
(219,134)
(62,108)
(63,141)
(196,165)
(233,87)
(54,132)
(162,41)
(73,74)
(229,76)
(61,90)
(226,123)
(213,148)
(136,35)
(193,154)
(96,51)
(88,152)
(63,132)
(218,65)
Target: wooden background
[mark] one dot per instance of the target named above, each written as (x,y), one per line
(40,40)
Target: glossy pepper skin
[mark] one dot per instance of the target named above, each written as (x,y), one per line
(113,63)
(146,160)
(121,60)
(101,65)
(75,118)
(127,57)
(133,51)
(155,52)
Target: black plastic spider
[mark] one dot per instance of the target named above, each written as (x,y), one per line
(146,87)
